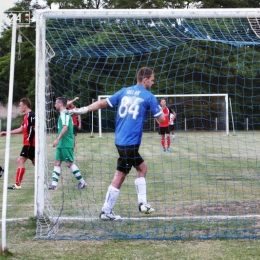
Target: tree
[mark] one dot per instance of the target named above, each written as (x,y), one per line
(75,4)
(24,82)
(143,4)
(230,4)
(24,76)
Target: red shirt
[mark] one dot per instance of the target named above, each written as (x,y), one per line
(166,112)
(28,129)
(74,117)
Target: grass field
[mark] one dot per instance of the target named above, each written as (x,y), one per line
(207,174)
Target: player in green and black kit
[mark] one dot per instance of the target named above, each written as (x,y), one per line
(64,144)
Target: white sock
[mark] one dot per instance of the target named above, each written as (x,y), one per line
(111,197)
(140,185)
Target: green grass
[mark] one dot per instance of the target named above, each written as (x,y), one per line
(20,245)
(207,174)
(20,204)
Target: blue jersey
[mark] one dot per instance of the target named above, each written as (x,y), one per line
(133,104)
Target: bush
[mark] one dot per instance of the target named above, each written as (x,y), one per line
(16,123)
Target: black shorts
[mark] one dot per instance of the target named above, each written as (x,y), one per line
(172,127)
(75,130)
(128,157)
(28,152)
(164,130)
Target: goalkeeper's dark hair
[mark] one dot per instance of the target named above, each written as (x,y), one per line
(144,73)
(26,101)
(62,100)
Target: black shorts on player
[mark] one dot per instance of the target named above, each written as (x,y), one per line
(128,157)
(164,130)
(28,152)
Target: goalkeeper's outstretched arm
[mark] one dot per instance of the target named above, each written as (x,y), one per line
(93,107)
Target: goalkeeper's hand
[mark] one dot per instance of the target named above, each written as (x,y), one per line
(78,111)
(1,171)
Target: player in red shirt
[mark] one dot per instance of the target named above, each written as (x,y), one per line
(164,128)
(75,118)
(28,150)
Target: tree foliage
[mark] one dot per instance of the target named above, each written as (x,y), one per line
(24,75)
(230,4)
(143,4)
(101,63)
(83,80)
(75,4)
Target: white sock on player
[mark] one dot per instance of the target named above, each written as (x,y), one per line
(140,185)
(111,197)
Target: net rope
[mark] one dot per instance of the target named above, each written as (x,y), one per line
(208,186)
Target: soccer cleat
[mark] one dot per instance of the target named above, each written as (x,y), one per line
(164,150)
(169,149)
(109,216)
(52,187)
(145,208)
(14,187)
(81,185)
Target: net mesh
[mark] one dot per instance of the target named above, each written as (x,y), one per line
(208,186)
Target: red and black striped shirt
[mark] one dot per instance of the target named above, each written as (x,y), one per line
(28,129)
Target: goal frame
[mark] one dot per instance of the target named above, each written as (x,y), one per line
(41,17)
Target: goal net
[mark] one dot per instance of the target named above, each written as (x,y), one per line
(206,65)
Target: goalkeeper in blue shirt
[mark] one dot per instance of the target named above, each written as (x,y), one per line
(133,104)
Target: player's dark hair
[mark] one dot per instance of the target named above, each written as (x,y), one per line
(26,101)
(144,73)
(164,99)
(62,100)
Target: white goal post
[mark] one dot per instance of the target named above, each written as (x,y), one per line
(92,53)
(168,96)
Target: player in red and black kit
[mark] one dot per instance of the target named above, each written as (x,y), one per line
(164,128)
(28,150)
